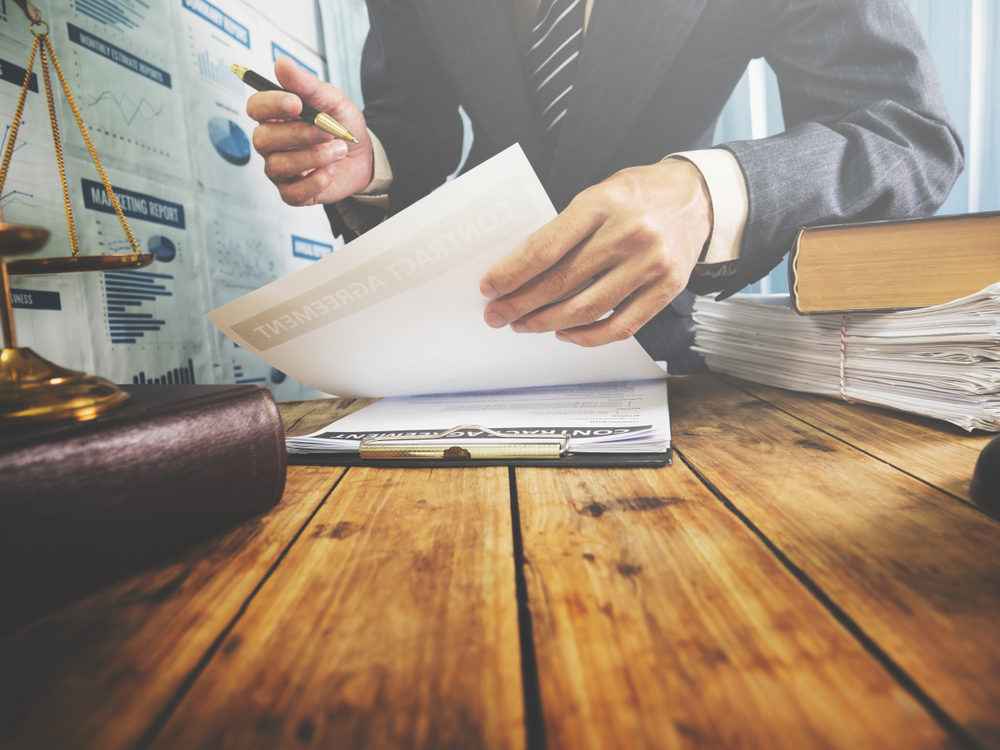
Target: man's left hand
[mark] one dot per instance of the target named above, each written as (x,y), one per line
(625,246)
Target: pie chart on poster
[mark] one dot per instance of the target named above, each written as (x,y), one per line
(229,140)
(162,248)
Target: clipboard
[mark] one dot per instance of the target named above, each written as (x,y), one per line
(502,449)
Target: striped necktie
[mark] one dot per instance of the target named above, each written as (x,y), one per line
(553,51)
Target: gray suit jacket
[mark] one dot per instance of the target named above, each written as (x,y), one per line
(867,135)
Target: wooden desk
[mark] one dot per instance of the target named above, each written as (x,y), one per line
(808,574)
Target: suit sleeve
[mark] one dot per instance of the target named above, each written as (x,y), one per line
(410,102)
(867,134)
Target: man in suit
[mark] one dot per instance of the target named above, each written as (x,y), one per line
(649,209)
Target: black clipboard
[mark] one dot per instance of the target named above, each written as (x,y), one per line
(505,449)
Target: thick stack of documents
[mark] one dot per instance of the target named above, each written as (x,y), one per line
(941,361)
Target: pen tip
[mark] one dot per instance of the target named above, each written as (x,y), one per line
(238,69)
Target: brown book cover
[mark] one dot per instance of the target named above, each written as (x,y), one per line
(85,503)
(891,265)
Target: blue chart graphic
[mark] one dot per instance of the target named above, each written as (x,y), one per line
(303,247)
(216,71)
(127,108)
(10,196)
(7,199)
(243,263)
(123,15)
(127,291)
(240,377)
(183,375)
(275,376)
(229,140)
(117,247)
(162,247)
(278,51)
(3,143)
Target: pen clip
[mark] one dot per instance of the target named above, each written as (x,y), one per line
(505,445)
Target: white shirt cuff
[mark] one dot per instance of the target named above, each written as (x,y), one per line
(727,190)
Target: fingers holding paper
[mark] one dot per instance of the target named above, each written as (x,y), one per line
(617,255)
(306,164)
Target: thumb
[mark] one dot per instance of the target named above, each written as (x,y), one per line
(323,96)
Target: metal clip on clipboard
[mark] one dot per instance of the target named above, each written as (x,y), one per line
(508,445)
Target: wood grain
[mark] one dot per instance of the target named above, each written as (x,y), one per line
(918,572)
(392,623)
(96,674)
(839,601)
(660,621)
(938,453)
(303,417)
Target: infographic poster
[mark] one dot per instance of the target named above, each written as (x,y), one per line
(47,309)
(247,251)
(122,70)
(146,324)
(215,36)
(153,85)
(32,192)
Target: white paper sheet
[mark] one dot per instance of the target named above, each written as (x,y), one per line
(398,311)
(625,417)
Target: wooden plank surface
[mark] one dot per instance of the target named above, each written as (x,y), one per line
(97,674)
(939,453)
(391,623)
(660,621)
(310,415)
(838,602)
(915,570)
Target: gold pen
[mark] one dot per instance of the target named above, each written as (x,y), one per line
(311,115)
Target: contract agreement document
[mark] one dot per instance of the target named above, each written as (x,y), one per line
(398,312)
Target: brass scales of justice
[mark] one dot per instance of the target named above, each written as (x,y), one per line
(31,387)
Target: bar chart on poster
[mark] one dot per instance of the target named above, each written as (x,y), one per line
(184,375)
(149,317)
(122,15)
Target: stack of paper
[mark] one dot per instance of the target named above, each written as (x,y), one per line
(941,361)
(622,417)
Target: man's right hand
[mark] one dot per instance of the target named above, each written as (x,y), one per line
(306,164)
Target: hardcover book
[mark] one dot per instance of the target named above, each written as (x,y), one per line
(84,503)
(900,264)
